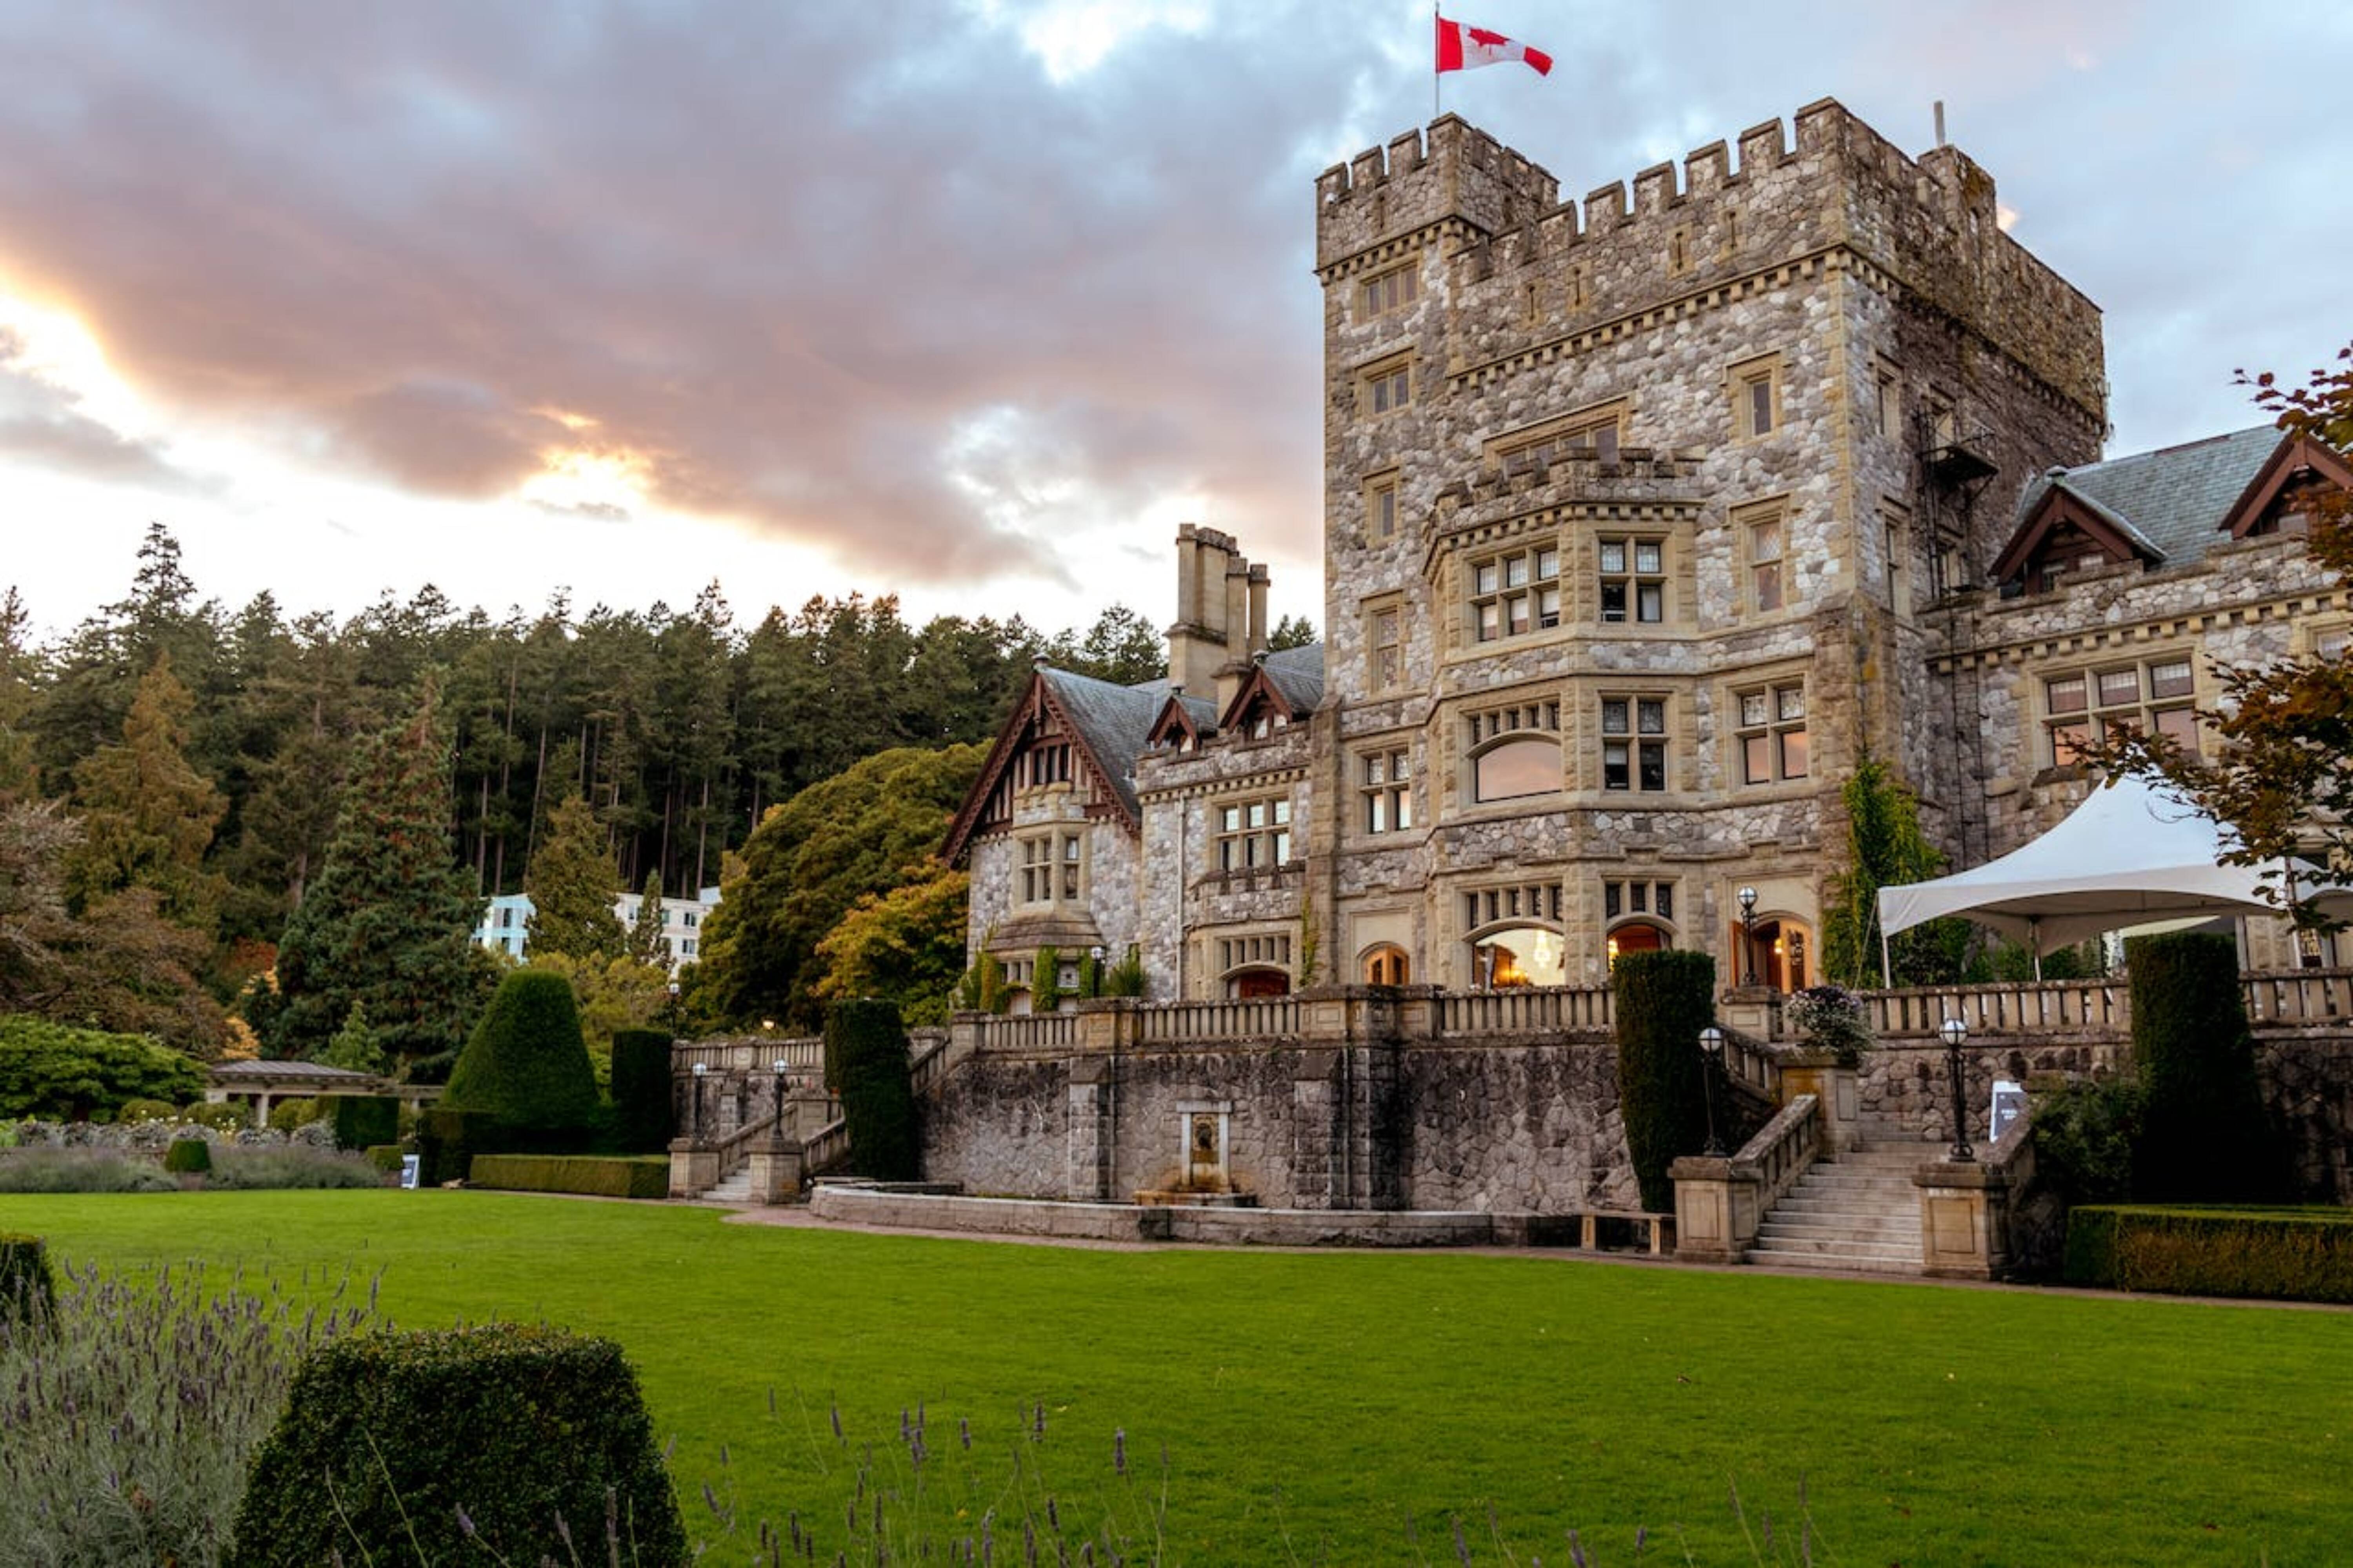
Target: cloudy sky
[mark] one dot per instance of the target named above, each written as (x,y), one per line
(969,302)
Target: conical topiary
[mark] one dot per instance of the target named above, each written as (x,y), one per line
(526,1065)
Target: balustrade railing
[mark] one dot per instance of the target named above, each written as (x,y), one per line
(2030,1007)
(1524,1009)
(1031,1031)
(2290,997)
(760,1054)
(1783,1149)
(1182,1023)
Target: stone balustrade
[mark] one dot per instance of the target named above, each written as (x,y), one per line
(1526,1009)
(1721,1200)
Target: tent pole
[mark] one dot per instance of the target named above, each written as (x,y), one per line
(2034,940)
(1886,969)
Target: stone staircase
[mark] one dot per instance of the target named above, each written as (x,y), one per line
(1857,1213)
(735,1189)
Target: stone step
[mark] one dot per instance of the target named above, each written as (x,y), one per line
(1834,1263)
(1845,1246)
(1839,1238)
(1870,1219)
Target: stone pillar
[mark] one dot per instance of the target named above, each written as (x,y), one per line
(776,1165)
(693,1168)
(1717,1203)
(1963,1220)
(1090,1160)
(1833,1086)
(1754,1009)
(1318,1147)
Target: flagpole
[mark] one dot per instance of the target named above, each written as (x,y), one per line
(1436,76)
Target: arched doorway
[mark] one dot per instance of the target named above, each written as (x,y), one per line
(1387,965)
(1517,955)
(1247,985)
(1638,937)
(1782,956)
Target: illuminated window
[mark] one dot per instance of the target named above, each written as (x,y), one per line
(1387,964)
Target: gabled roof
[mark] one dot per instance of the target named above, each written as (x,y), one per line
(1182,715)
(2167,506)
(1109,724)
(1290,682)
(2292,462)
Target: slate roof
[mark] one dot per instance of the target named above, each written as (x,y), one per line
(310,1072)
(2173,500)
(1298,674)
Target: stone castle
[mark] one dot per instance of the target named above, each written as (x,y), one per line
(1645,518)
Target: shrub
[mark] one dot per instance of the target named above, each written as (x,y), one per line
(147,1110)
(2289,1254)
(287,1115)
(867,1048)
(1831,1017)
(221,1116)
(644,1177)
(1126,976)
(526,1065)
(641,1089)
(289,1166)
(1663,1000)
(447,1142)
(28,1291)
(52,1070)
(498,1443)
(363,1119)
(188,1157)
(388,1158)
(47,1169)
(1046,981)
(2084,1137)
(2205,1135)
(129,1429)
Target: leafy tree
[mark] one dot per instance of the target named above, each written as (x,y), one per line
(54,1070)
(871,829)
(1885,848)
(646,944)
(146,816)
(390,921)
(20,768)
(2283,772)
(570,884)
(905,946)
(355,1047)
(613,995)
(1291,632)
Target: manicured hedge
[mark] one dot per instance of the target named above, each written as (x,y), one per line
(2288,1255)
(2206,1136)
(866,1054)
(647,1176)
(641,1089)
(390,1440)
(363,1121)
(387,1157)
(27,1288)
(188,1157)
(1662,1001)
(526,1064)
(447,1140)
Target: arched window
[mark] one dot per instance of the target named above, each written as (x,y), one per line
(1518,955)
(1513,768)
(1387,965)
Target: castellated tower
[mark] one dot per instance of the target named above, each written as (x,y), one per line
(1642,515)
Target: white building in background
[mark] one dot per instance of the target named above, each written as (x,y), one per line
(506,923)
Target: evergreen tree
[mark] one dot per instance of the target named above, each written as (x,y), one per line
(390,920)
(147,817)
(355,1047)
(1885,848)
(646,944)
(570,884)
(1291,632)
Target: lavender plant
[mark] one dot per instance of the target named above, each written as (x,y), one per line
(132,1410)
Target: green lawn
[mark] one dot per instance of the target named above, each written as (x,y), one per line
(1312,1404)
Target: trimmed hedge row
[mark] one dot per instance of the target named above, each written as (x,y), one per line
(460,1446)
(363,1121)
(641,1089)
(446,1141)
(2287,1255)
(1662,1001)
(188,1157)
(591,1176)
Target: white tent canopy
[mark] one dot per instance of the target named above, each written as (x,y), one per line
(2129,856)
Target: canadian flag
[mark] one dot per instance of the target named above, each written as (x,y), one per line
(1462,46)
